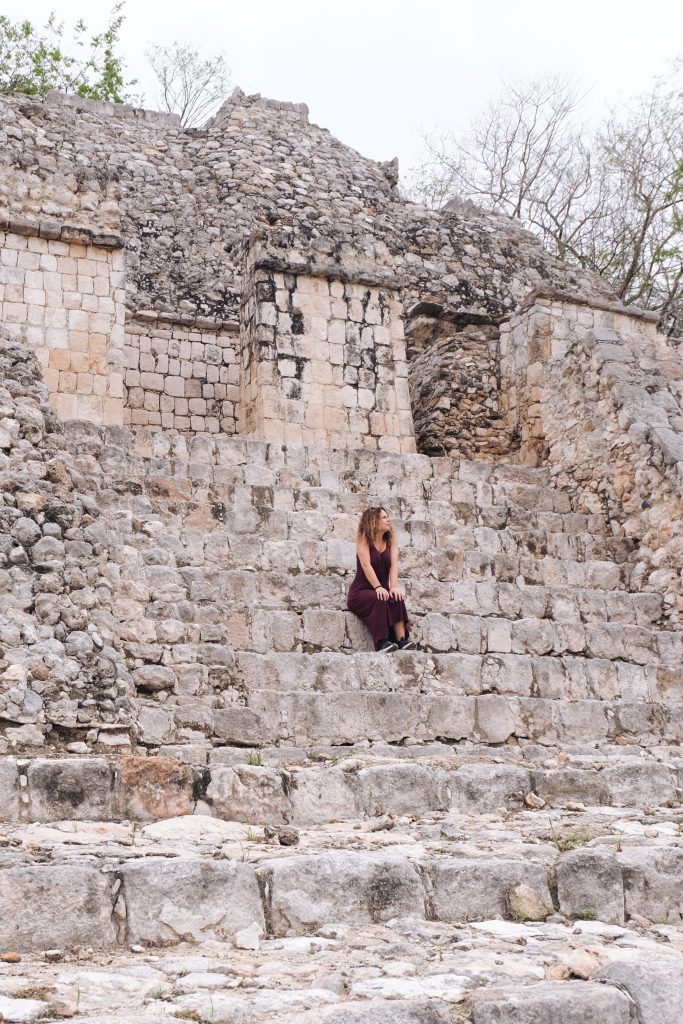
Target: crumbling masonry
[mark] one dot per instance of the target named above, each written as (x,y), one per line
(216,347)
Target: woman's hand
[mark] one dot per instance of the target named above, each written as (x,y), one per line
(396,594)
(382,594)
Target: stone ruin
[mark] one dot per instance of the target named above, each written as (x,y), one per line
(217,346)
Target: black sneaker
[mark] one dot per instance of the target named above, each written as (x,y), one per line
(388,647)
(406,644)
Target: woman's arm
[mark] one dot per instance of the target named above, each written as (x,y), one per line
(363,552)
(393,572)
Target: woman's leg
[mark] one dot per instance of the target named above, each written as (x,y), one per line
(400,630)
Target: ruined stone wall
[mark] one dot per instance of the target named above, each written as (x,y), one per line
(322,360)
(59,669)
(181,378)
(455,395)
(65,300)
(597,393)
(185,202)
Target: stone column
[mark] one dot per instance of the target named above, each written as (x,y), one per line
(322,359)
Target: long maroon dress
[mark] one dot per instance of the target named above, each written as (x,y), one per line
(379,616)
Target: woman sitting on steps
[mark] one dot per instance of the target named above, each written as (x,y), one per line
(374,595)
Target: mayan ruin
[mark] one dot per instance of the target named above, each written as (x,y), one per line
(218,347)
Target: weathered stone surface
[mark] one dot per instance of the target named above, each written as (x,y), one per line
(399,789)
(525,904)
(482,788)
(590,882)
(319,796)
(80,788)
(653,883)
(656,988)
(474,890)
(249,793)
(571,785)
(639,784)
(169,901)
(21,1011)
(307,892)
(552,1002)
(156,787)
(9,790)
(56,906)
(413,1011)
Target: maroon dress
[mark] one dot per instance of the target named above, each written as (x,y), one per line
(379,616)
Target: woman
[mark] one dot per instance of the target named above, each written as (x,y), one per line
(374,595)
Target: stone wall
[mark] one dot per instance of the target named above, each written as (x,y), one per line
(322,360)
(65,300)
(455,395)
(598,394)
(58,668)
(181,378)
(185,202)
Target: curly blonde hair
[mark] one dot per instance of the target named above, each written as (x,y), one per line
(369,525)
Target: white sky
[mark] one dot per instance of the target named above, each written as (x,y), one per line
(376,71)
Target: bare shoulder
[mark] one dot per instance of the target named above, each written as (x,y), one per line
(362,546)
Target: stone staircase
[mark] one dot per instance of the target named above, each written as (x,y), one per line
(487,830)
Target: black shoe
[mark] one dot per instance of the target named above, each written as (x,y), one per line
(388,647)
(406,644)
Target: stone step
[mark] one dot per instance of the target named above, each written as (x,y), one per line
(415,514)
(279,708)
(103,885)
(305,545)
(273,625)
(234,788)
(412,972)
(196,673)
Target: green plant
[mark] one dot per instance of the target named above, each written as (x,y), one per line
(571,841)
(586,915)
(35,60)
(254,758)
(250,836)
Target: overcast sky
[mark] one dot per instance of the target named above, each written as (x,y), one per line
(375,72)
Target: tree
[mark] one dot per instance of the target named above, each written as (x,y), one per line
(33,61)
(189,84)
(610,200)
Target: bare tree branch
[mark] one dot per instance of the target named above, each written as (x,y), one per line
(611,201)
(189,84)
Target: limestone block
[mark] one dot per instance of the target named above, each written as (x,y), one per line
(312,890)
(497,717)
(156,787)
(52,907)
(321,794)
(324,628)
(249,793)
(639,784)
(9,790)
(399,789)
(656,987)
(476,890)
(450,718)
(155,725)
(549,1002)
(240,725)
(170,901)
(385,1011)
(22,1011)
(482,788)
(653,883)
(78,788)
(557,786)
(590,882)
